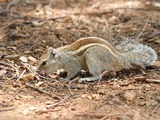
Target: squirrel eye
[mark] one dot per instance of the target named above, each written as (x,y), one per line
(44,62)
(53,54)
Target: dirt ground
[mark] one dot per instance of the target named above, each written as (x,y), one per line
(29,27)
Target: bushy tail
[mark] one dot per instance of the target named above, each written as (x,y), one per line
(137,53)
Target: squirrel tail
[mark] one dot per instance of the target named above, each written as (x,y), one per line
(137,53)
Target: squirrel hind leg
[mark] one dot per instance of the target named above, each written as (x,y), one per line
(94,68)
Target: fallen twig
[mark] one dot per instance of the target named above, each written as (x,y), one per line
(143,28)
(21,75)
(96,115)
(144,79)
(34,72)
(70,82)
(42,22)
(11,57)
(100,115)
(152,80)
(12,3)
(7,64)
(60,102)
(140,78)
(5,26)
(105,72)
(156,108)
(80,14)
(6,109)
(110,115)
(41,91)
(136,115)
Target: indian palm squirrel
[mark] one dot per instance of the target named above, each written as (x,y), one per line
(95,55)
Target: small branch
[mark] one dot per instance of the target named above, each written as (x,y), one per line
(110,115)
(7,64)
(70,82)
(6,109)
(12,3)
(156,108)
(100,115)
(41,91)
(152,81)
(28,68)
(96,115)
(34,72)
(59,17)
(105,72)
(60,102)
(11,57)
(144,79)
(136,115)
(80,14)
(21,75)
(143,29)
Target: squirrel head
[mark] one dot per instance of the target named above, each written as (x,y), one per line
(49,61)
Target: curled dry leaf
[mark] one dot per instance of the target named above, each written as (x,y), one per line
(84,96)
(27,97)
(49,102)
(27,77)
(157,41)
(39,84)
(23,59)
(89,97)
(157,63)
(27,52)
(2,72)
(32,59)
(95,96)
(129,96)
(38,23)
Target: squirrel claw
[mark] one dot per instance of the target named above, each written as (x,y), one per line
(82,80)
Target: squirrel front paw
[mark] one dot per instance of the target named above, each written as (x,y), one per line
(82,80)
(63,79)
(89,79)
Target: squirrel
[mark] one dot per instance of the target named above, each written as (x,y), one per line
(95,55)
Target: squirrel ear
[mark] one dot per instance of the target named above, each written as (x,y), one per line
(52,51)
(50,48)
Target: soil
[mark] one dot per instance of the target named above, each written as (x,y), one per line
(29,28)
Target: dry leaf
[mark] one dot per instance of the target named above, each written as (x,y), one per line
(27,97)
(23,59)
(32,59)
(95,96)
(157,41)
(27,52)
(157,63)
(39,84)
(27,77)
(129,96)
(49,102)
(2,72)
(84,96)
(89,97)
